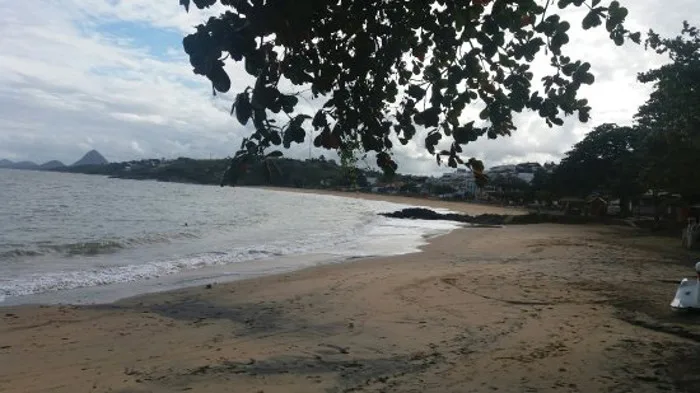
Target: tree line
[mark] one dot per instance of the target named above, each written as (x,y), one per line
(659,152)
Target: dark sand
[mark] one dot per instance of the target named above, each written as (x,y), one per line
(538,308)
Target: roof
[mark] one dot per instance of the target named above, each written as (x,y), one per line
(597,198)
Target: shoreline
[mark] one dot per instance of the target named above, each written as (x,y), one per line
(455,206)
(229,273)
(563,308)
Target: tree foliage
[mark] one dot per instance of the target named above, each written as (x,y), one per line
(390,68)
(661,151)
(671,115)
(607,159)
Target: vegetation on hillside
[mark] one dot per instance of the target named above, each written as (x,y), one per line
(313,173)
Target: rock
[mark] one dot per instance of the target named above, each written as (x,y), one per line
(490,220)
(427,214)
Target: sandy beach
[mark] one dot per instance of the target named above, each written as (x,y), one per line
(458,207)
(537,308)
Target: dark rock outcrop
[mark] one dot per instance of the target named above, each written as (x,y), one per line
(419,213)
(427,214)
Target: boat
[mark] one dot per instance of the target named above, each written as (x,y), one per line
(688,293)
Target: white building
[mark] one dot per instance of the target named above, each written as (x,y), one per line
(461,180)
(525,171)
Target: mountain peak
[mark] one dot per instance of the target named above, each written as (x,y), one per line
(93,157)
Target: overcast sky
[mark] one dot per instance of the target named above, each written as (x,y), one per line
(111,75)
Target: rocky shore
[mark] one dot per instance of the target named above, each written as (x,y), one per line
(488,219)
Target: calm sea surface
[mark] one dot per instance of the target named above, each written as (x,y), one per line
(86,239)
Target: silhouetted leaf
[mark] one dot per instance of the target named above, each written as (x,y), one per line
(243,108)
(201,4)
(416,92)
(219,79)
(288,103)
(592,19)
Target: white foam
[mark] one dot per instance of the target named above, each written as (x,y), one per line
(73,279)
(375,236)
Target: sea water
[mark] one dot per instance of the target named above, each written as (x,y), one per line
(67,238)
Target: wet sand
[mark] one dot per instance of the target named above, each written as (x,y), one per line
(538,308)
(455,206)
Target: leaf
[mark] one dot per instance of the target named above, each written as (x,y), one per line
(484,114)
(636,37)
(432,140)
(416,92)
(592,19)
(430,117)
(185,3)
(202,4)
(219,79)
(288,103)
(319,120)
(275,138)
(253,64)
(588,79)
(243,108)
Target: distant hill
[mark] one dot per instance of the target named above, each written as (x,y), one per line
(24,165)
(18,165)
(53,164)
(93,157)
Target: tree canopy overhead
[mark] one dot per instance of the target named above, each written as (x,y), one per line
(392,67)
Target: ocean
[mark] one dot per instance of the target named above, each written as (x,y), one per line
(67,238)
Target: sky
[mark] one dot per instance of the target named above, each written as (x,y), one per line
(111,75)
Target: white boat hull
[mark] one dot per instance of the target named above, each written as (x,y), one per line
(687,295)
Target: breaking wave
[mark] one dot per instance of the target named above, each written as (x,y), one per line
(90,248)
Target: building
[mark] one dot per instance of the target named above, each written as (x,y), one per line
(525,171)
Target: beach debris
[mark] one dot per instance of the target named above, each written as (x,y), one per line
(208,286)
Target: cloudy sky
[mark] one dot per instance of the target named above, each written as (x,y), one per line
(111,75)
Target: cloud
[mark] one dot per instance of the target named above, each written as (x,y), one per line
(111,75)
